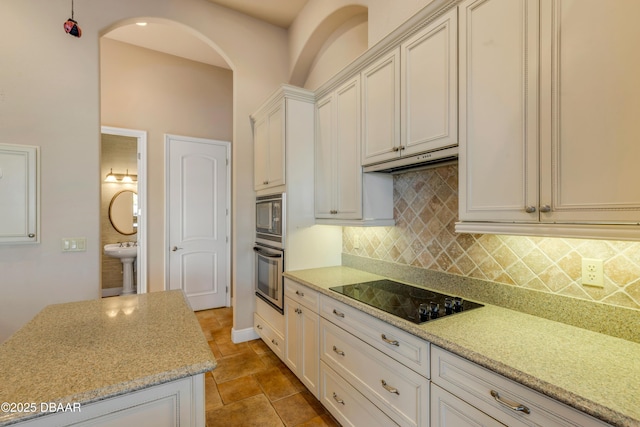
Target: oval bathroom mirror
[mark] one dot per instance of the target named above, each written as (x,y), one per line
(122,212)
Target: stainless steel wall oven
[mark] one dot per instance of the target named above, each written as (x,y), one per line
(269,269)
(269,249)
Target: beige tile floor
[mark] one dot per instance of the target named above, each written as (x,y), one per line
(251,386)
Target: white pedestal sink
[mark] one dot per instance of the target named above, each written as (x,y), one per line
(126,253)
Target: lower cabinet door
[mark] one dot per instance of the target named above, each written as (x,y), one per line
(449,411)
(346,404)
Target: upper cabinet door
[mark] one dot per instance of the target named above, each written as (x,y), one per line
(324,158)
(381,109)
(19,188)
(498,160)
(429,113)
(590,132)
(348,169)
(269,148)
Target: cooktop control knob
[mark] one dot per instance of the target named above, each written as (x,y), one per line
(448,306)
(457,304)
(423,312)
(434,310)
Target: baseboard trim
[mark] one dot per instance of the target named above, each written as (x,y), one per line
(243,335)
(111,292)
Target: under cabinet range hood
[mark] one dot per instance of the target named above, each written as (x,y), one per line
(416,161)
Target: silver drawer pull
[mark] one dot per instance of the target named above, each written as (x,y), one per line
(339,352)
(297,310)
(337,399)
(389,388)
(300,294)
(388,341)
(259,327)
(274,342)
(511,405)
(337,313)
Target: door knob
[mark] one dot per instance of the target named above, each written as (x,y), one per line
(175,248)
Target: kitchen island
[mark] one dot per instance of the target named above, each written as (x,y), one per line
(111,361)
(594,373)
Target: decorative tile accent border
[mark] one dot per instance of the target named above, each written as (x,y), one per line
(426,209)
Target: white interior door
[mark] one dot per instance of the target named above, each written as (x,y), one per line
(198,219)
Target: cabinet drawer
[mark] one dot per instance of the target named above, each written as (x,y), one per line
(408,349)
(449,411)
(348,406)
(401,393)
(302,294)
(478,386)
(269,335)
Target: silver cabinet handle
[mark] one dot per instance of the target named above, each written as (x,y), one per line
(31,235)
(395,149)
(388,341)
(338,352)
(402,147)
(297,310)
(337,313)
(175,248)
(259,327)
(545,208)
(300,294)
(337,399)
(389,388)
(511,405)
(274,342)
(530,209)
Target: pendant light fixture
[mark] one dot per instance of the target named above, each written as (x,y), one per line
(71,26)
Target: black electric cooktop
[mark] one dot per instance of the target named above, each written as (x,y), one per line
(415,304)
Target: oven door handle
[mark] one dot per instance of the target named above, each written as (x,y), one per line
(266,254)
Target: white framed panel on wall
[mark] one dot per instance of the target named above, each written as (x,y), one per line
(19,194)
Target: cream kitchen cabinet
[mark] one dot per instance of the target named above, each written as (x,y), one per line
(388,367)
(178,403)
(279,120)
(301,334)
(409,96)
(344,195)
(548,128)
(346,404)
(479,397)
(19,194)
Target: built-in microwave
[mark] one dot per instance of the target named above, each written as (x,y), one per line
(270,220)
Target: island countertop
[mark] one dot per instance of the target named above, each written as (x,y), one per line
(592,372)
(83,352)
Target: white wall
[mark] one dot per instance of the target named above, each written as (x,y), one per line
(49,96)
(384,17)
(343,46)
(160,93)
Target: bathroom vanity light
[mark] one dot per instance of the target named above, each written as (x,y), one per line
(125,178)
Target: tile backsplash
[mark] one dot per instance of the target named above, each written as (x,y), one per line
(426,209)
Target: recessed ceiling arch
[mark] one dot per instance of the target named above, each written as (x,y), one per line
(318,37)
(169,37)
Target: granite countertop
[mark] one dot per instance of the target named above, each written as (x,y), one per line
(83,352)
(592,372)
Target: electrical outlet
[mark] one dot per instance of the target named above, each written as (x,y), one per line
(593,272)
(356,241)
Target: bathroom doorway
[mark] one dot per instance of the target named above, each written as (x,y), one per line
(123,183)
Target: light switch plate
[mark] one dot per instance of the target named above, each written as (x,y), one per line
(74,244)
